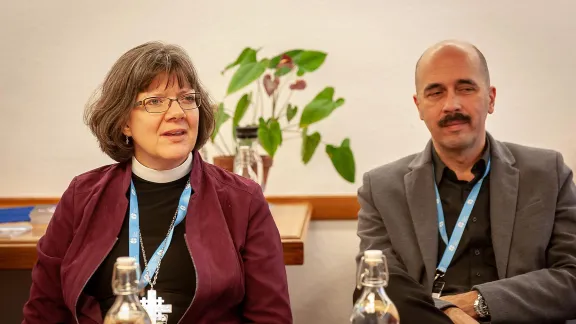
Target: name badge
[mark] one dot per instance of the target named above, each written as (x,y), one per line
(437,288)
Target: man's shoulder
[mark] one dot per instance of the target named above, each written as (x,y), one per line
(531,156)
(396,168)
(536,165)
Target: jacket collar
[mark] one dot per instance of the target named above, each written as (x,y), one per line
(440,168)
(497,150)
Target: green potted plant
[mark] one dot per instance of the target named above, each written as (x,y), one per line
(272,82)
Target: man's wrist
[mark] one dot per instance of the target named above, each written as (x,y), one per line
(481,308)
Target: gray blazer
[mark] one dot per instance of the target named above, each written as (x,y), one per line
(533,224)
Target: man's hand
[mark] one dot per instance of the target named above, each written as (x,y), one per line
(458,316)
(465,302)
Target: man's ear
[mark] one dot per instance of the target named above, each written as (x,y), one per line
(416,102)
(492,96)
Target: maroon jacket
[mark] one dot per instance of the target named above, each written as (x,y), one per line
(231,235)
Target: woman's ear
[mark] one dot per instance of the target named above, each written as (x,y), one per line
(127,131)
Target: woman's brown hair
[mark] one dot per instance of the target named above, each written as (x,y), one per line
(107,114)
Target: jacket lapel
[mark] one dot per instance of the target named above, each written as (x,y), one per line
(419,185)
(504,179)
(107,209)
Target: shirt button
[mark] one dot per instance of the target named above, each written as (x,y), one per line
(478,274)
(474,219)
(477,252)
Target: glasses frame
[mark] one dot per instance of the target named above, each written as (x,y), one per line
(141,102)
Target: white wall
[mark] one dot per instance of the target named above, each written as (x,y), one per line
(321,289)
(55,53)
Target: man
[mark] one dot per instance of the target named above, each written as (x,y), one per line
(506,212)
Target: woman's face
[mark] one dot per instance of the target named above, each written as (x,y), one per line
(163,140)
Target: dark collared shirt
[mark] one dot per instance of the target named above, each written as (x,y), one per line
(176,282)
(474,262)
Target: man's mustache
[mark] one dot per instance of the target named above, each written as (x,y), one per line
(454,117)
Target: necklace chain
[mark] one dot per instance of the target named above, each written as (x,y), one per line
(162,252)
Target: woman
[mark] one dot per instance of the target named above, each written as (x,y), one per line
(218,260)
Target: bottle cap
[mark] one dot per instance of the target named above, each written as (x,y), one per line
(373,255)
(125,261)
(247,132)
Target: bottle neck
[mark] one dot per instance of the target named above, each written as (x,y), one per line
(246,142)
(375,276)
(244,153)
(125,282)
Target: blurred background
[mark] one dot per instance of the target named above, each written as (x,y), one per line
(55,54)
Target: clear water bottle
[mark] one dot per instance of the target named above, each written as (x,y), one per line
(247,161)
(127,308)
(373,306)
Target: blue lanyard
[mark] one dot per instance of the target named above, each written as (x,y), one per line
(134,228)
(452,245)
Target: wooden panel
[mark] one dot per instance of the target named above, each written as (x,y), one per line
(342,207)
(30,237)
(325,207)
(293,253)
(27,201)
(292,221)
(17,256)
(20,252)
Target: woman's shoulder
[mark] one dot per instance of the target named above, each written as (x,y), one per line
(91,178)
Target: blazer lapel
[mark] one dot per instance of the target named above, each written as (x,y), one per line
(504,179)
(419,185)
(107,209)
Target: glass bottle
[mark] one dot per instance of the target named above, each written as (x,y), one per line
(373,306)
(127,308)
(247,161)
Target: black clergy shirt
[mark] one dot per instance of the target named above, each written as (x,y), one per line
(176,282)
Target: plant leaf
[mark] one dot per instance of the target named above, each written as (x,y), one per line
(285,65)
(320,107)
(270,85)
(241,109)
(282,71)
(309,61)
(298,85)
(343,160)
(276,59)
(309,145)
(221,118)
(269,135)
(248,55)
(246,74)
(291,112)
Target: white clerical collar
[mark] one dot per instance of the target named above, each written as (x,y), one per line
(162,176)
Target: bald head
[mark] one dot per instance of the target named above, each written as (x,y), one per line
(452,47)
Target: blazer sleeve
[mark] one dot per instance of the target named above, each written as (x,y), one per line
(546,295)
(46,302)
(267,299)
(371,230)
(414,304)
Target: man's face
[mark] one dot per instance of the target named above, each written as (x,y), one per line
(453,97)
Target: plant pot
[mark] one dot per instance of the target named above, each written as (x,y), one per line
(226,162)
